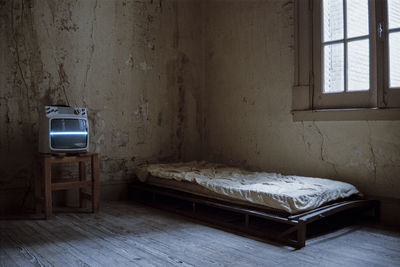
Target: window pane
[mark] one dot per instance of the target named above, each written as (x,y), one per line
(358,65)
(332,19)
(394,13)
(394,59)
(357,18)
(333,68)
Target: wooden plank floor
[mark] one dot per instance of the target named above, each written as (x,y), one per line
(131,234)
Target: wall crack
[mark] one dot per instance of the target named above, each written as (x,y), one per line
(306,143)
(371,148)
(15,39)
(91,48)
(322,150)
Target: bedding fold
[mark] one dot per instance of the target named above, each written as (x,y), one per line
(290,193)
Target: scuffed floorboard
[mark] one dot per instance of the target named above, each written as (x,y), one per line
(130,234)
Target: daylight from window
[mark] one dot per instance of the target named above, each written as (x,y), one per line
(346,51)
(394,43)
(333,53)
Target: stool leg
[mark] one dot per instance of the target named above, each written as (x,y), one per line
(82,177)
(47,188)
(95,183)
(37,185)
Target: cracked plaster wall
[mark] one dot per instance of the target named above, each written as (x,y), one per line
(165,80)
(132,63)
(249,78)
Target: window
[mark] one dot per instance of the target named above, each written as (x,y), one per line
(391,47)
(348,54)
(343,59)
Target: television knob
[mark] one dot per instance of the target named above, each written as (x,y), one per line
(76,111)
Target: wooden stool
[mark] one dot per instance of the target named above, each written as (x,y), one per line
(45,180)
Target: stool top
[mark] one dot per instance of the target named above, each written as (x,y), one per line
(67,157)
(62,155)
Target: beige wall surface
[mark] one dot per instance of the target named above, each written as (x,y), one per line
(133,64)
(249,78)
(170,80)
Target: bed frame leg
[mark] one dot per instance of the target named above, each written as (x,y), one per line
(247,220)
(377,212)
(301,235)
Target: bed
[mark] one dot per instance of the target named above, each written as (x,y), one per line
(291,200)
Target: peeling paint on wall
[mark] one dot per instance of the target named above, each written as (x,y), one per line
(176,70)
(249,56)
(143,119)
(144,66)
(108,56)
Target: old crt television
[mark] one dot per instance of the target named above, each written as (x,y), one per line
(63,129)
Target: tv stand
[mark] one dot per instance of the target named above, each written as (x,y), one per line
(64,154)
(45,181)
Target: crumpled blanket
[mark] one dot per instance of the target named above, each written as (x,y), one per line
(289,193)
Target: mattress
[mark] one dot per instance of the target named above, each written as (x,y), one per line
(288,193)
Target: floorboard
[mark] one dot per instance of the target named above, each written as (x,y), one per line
(132,234)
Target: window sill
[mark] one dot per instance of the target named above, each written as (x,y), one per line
(359,114)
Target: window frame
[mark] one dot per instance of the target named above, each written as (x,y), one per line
(389,98)
(346,99)
(304,106)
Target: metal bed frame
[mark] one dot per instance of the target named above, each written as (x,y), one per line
(296,225)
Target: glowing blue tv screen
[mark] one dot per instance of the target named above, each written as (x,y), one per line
(68,133)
